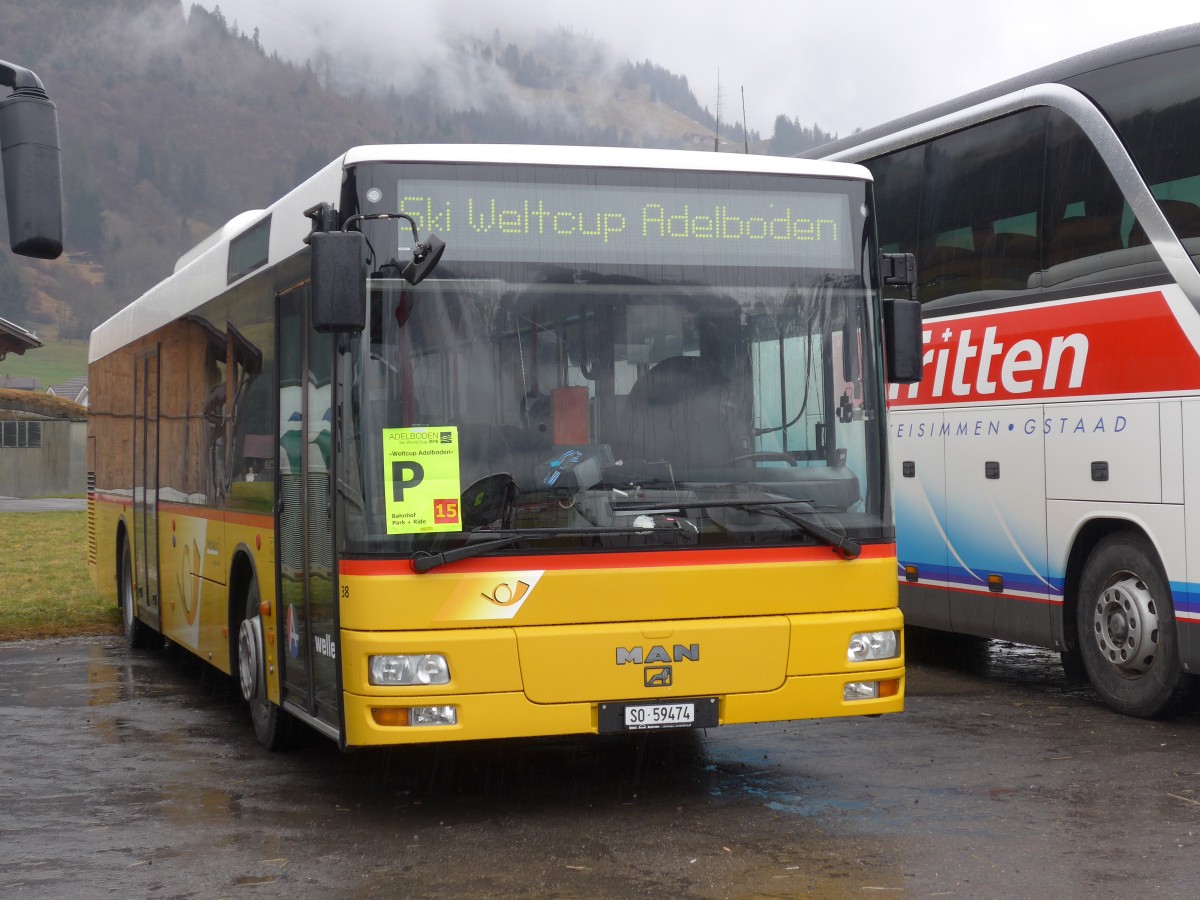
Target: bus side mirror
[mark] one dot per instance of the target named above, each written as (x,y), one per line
(32,171)
(339,281)
(902,340)
(425,259)
(901,319)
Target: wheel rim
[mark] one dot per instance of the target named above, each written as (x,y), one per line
(1125,625)
(127,612)
(249,664)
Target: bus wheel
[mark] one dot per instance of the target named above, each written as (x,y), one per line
(137,632)
(1127,631)
(272,726)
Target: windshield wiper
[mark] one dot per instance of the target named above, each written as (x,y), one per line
(424,561)
(843,546)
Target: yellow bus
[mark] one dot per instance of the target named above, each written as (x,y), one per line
(461,442)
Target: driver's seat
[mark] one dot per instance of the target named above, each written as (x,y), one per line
(681,411)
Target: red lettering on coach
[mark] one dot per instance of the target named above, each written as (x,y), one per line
(1131,344)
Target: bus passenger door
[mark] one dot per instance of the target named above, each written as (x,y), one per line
(918,466)
(996,515)
(305,545)
(145,485)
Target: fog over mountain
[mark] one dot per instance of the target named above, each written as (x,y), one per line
(174,120)
(845,66)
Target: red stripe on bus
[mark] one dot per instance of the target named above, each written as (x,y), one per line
(641,560)
(995,595)
(185,511)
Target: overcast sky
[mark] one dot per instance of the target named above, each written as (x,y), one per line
(841,64)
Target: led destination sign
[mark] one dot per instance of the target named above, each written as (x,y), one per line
(580,224)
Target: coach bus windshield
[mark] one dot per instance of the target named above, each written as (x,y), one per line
(613,359)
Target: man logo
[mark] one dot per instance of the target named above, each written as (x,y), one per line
(658,676)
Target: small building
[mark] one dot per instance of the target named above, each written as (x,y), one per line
(75,389)
(15,339)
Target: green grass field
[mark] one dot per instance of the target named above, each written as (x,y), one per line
(45,590)
(51,364)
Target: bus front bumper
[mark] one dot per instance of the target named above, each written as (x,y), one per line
(512,714)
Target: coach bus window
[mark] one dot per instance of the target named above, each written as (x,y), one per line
(1088,224)
(979,212)
(1154,104)
(897,195)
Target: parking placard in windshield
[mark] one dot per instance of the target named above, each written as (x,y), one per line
(420,478)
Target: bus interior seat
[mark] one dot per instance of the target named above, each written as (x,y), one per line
(1183,216)
(947,270)
(1083,236)
(1009,258)
(675,412)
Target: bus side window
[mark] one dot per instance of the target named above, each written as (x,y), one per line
(1084,208)
(1154,104)
(979,218)
(897,199)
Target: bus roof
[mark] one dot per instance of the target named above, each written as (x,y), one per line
(202,273)
(1146,45)
(594,157)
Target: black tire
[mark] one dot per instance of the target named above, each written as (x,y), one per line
(137,632)
(273,727)
(1127,632)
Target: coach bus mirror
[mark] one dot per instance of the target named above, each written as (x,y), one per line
(899,270)
(425,259)
(339,281)
(32,166)
(902,340)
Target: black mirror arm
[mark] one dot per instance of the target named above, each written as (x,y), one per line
(425,253)
(375,216)
(21,79)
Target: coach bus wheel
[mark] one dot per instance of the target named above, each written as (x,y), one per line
(137,632)
(1127,631)
(272,726)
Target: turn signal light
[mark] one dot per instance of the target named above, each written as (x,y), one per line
(405,716)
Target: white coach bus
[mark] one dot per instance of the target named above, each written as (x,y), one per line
(1046,469)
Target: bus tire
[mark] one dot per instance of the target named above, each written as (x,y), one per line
(137,632)
(1127,632)
(272,726)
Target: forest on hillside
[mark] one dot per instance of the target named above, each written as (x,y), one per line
(173,120)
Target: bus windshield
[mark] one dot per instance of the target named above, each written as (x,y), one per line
(613,360)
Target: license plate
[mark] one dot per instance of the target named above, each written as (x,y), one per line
(658,716)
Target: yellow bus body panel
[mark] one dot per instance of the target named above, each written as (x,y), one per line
(406,601)
(758,639)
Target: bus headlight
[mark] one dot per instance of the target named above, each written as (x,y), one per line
(868,645)
(433,715)
(870,690)
(411,668)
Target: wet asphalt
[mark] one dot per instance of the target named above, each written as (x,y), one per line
(137,774)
